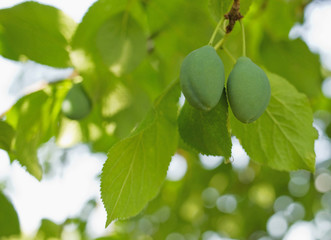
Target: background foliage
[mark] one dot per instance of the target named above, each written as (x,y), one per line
(127,54)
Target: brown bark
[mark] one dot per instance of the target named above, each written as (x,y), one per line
(233,15)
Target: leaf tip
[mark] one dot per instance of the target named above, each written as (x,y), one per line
(35,171)
(108,221)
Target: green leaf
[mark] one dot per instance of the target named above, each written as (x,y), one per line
(283,137)
(48,229)
(34,117)
(206,131)
(37,32)
(85,55)
(160,13)
(88,42)
(136,166)
(7,134)
(121,42)
(279,16)
(9,224)
(293,61)
(97,14)
(26,116)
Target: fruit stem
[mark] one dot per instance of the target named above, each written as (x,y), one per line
(243,37)
(219,24)
(220,42)
(229,54)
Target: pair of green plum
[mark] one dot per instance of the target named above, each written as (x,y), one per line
(202,81)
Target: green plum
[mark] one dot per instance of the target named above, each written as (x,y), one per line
(248,90)
(77,104)
(202,78)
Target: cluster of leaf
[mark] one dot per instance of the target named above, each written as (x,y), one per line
(128,54)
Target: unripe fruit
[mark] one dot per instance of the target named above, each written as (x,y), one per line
(77,104)
(248,90)
(202,78)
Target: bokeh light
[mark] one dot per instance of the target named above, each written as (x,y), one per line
(226,203)
(177,168)
(210,162)
(277,225)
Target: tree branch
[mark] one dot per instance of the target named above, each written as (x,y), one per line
(233,15)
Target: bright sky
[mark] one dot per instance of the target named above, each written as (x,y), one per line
(71,8)
(72,186)
(316,31)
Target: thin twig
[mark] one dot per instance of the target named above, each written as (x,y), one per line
(229,54)
(219,24)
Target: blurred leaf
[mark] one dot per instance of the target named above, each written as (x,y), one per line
(148,78)
(283,137)
(244,6)
(218,8)
(34,117)
(136,109)
(278,17)
(117,109)
(7,134)
(85,52)
(328,130)
(160,13)
(137,166)
(293,61)
(99,12)
(9,224)
(35,31)
(114,117)
(206,131)
(49,229)
(93,129)
(121,42)
(89,58)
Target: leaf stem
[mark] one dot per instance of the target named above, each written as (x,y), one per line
(243,38)
(229,54)
(219,24)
